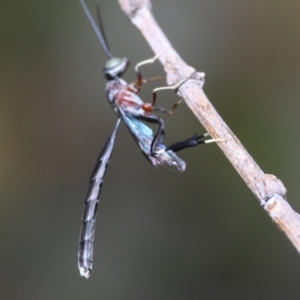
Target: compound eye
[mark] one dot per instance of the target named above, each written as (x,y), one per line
(115,67)
(113,63)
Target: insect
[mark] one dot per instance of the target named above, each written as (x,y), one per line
(132,111)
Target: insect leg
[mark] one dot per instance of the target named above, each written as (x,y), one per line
(139,81)
(164,110)
(171,111)
(99,33)
(144,81)
(171,87)
(85,252)
(191,142)
(159,136)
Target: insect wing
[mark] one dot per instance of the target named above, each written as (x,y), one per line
(143,135)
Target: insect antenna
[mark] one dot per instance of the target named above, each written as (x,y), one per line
(100,35)
(103,32)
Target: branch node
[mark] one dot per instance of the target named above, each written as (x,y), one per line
(273,186)
(196,79)
(199,79)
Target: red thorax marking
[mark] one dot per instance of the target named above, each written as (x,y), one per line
(147,107)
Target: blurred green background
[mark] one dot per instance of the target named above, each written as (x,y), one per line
(160,235)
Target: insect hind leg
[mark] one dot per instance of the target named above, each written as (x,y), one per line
(159,136)
(191,142)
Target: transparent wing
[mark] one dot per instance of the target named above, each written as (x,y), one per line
(143,136)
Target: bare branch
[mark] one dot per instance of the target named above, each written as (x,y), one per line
(268,189)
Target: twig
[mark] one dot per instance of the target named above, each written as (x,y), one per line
(268,189)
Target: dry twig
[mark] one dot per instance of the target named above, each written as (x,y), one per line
(268,189)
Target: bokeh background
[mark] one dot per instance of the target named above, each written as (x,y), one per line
(159,235)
